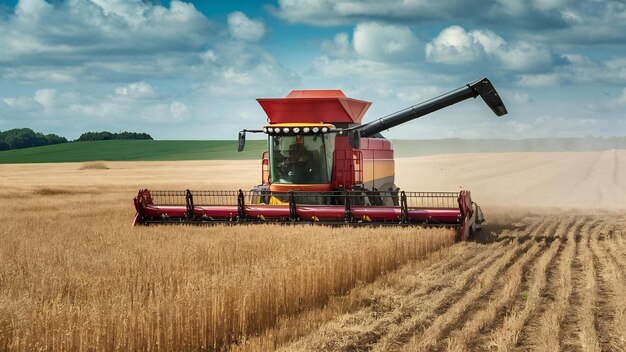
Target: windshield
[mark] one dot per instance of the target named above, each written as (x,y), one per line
(301,159)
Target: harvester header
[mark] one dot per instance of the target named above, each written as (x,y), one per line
(322,166)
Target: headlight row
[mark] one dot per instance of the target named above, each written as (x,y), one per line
(296,130)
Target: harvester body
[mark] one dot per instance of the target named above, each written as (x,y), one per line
(323,166)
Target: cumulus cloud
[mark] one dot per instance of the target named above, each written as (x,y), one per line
(244,28)
(47,98)
(121,63)
(588,22)
(137,90)
(519,97)
(375,41)
(21,104)
(339,46)
(455,45)
(241,70)
(90,39)
(384,42)
(165,113)
(333,12)
(579,69)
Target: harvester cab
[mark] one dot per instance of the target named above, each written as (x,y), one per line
(324,166)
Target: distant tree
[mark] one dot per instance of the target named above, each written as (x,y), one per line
(105,136)
(24,138)
(4,145)
(54,139)
(19,138)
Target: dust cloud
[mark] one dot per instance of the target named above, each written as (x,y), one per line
(560,179)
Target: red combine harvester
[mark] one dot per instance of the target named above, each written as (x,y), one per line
(323,166)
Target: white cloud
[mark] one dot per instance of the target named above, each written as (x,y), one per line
(340,46)
(358,69)
(21,104)
(516,96)
(209,56)
(557,22)
(377,41)
(137,90)
(243,70)
(580,70)
(174,112)
(178,109)
(79,40)
(46,98)
(244,28)
(539,80)
(454,45)
(524,56)
(334,12)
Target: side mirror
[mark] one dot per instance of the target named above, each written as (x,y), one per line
(354,139)
(242,140)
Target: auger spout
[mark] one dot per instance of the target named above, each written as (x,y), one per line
(482,87)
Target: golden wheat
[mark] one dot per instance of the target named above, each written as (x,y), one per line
(75,276)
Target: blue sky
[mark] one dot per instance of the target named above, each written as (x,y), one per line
(192,69)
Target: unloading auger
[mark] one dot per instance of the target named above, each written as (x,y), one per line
(322,166)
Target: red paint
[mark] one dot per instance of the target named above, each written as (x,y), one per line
(314,106)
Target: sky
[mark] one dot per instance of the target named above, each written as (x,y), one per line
(193,69)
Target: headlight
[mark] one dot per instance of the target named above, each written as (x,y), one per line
(306,130)
(286,130)
(316,129)
(324,129)
(276,130)
(296,130)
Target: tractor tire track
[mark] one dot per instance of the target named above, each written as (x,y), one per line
(506,336)
(605,292)
(403,330)
(481,309)
(456,306)
(423,294)
(541,329)
(456,312)
(612,281)
(614,252)
(558,293)
(550,282)
(435,306)
(578,329)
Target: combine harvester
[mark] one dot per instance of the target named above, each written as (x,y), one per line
(324,167)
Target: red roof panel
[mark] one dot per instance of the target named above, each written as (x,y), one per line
(328,106)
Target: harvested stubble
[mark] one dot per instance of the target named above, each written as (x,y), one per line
(515,292)
(70,280)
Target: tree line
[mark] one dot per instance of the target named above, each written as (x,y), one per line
(105,136)
(19,138)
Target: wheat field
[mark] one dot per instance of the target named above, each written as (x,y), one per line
(75,276)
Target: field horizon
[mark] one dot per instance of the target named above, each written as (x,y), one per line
(174,150)
(547,272)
